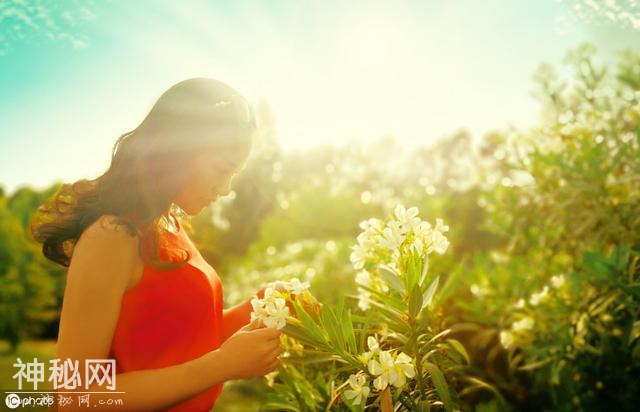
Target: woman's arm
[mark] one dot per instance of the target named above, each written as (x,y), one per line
(101,268)
(237,316)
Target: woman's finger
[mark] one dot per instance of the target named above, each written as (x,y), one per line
(273,364)
(275,353)
(256,324)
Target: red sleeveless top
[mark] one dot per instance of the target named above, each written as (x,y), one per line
(173,316)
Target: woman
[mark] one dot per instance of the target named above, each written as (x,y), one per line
(138,291)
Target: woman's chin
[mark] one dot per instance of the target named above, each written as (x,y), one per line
(192,210)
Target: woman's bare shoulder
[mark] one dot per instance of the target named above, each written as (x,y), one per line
(107,249)
(109,227)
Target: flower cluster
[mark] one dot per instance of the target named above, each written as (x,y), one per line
(387,244)
(391,260)
(272,308)
(378,239)
(359,388)
(389,368)
(520,331)
(294,286)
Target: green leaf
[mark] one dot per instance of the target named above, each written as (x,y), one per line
(412,274)
(440,384)
(415,301)
(391,279)
(347,330)
(303,360)
(386,298)
(480,384)
(391,316)
(276,406)
(430,292)
(535,365)
(458,347)
(332,327)
(425,269)
(439,335)
(309,324)
(302,335)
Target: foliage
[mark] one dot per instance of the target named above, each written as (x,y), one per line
(393,353)
(27,299)
(563,290)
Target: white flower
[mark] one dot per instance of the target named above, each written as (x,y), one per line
(558,281)
(259,312)
(373,344)
(374,349)
(520,303)
(440,226)
(359,389)
(270,293)
(278,313)
(358,256)
(506,338)
(390,371)
(422,230)
(363,299)
(272,310)
(404,367)
(433,237)
(296,287)
(539,297)
(422,233)
(479,291)
(381,285)
(368,239)
(525,323)
(407,218)
(418,246)
(384,369)
(392,236)
(371,224)
(439,243)
(364,278)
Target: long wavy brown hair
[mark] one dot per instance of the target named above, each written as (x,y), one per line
(147,170)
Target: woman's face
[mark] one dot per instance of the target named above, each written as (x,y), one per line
(210,175)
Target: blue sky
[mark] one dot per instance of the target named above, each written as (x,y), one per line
(77,74)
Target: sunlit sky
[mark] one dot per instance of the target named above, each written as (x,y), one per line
(74,75)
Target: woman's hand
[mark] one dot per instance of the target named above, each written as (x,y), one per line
(252,351)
